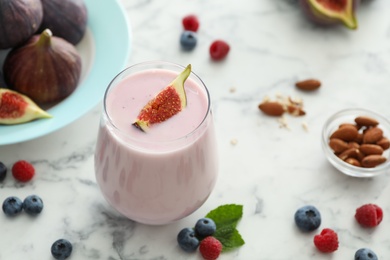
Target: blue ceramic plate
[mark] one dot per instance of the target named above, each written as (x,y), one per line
(105,50)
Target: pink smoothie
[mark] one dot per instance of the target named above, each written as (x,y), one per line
(166,173)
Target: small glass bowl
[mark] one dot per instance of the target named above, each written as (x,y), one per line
(348,116)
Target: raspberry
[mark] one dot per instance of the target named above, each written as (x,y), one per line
(23,171)
(327,241)
(369,215)
(210,248)
(219,49)
(190,23)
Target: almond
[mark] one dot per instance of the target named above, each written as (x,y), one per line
(338,145)
(371,161)
(384,143)
(346,133)
(372,135)
(272,108)
(359,138)
(360,156)
(348,124)
(353,162)
(295,110)
(369,149)
(349,153)
(366,121)
(308,85)
(353,145)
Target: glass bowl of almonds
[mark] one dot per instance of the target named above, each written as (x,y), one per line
(356,142)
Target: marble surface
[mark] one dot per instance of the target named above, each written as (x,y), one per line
(271,171)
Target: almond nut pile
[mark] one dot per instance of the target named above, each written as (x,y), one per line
(361,143)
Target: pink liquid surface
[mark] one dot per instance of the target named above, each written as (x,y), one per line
(162,175)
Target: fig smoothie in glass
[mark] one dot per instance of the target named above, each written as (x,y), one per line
(167,170)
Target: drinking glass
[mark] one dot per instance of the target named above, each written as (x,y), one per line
(155,181)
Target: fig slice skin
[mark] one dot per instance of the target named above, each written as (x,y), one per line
(46,68)
(16,108)
(331,12)
(167,103)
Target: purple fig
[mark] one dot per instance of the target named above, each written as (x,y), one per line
(65,18)
(331,12)
(19,20)
(46,68)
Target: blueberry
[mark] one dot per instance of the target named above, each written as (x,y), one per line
(205,227)
(188,40)
(12,206)
(187,240)
(3,171)
(61,249)
(33,205)
(307,218)
(365,254)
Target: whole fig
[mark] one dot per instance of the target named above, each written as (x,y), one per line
(46,69)
(331,12)
(65,18)
(19,20)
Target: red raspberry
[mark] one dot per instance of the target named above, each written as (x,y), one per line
(190,23)
(219,49)
(23,171)
(327,241)
(369,215)
(210,248)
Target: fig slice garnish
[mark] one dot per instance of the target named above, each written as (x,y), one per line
(167,103)
(16,108)
(332,11)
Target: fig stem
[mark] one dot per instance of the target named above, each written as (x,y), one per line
(45,38)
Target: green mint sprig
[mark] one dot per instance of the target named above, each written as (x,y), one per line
(226,218)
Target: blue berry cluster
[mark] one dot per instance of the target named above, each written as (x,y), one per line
(189,238)
(308,218)
(32,205)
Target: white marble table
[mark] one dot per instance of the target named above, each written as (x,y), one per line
(272,171)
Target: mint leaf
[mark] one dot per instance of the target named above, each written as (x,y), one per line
(226,215)
(235,240)
(224,232)
(226,218)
